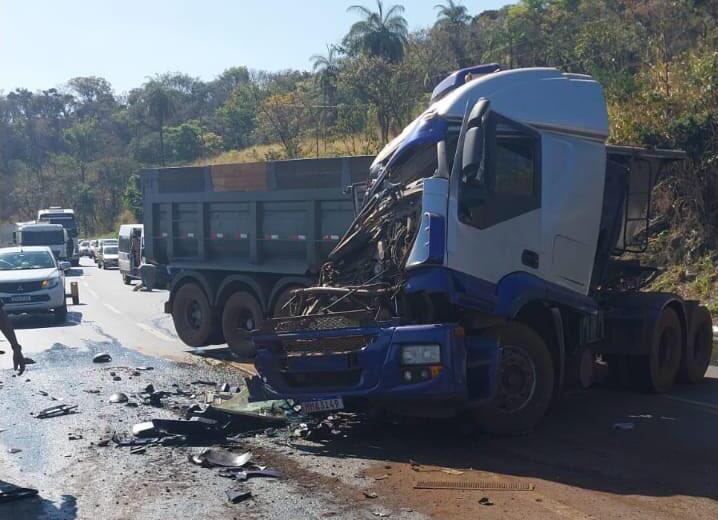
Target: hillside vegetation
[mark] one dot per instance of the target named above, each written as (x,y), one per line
(80,145)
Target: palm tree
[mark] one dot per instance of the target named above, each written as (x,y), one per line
(326,69)
(160,106)
(379,34)
(453,13)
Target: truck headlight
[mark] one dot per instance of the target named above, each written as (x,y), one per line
(420,355)
(50,283)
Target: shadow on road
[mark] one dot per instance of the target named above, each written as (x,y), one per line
(36,508)
(45,321)
(670,450)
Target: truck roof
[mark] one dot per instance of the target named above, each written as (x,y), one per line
(42,227)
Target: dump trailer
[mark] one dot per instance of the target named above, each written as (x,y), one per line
(236,239)
(486,270)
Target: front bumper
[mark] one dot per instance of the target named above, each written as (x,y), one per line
(39,301)
(369,375)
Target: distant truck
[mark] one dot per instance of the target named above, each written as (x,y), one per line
(131,242)
(66,218)
(235,240)
(53,236)
(485,273)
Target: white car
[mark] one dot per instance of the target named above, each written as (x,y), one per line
(109,256)
(31,281)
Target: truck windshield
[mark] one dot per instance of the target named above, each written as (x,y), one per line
(17,261)
(67,222)
(423,161)
(112,250)
(42,238)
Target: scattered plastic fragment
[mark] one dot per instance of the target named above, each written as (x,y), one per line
(13,450)
(370,494)
(486,501)
(56,411)
(102,357)
(227,459)
(118,397)
(238,495)
(10,492)
(623,426)
(138,450)
(205,383)
(144,368)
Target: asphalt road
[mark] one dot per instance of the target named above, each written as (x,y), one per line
(577,464)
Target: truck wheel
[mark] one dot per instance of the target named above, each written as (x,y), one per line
(242,313)
(657,372)
(61,313)
(699,348)
(525,382)
(192,315)
(278,310)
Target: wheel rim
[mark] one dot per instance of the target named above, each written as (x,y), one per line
(245,320)
(517,379)
(194,315)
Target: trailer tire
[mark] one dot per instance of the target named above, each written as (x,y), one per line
(657,371)
(242,313)
(525,383)
(192,315)
(699,348)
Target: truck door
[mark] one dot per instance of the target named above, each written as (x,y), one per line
(494,222)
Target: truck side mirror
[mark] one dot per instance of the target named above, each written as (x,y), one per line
(358,192)
(473,151)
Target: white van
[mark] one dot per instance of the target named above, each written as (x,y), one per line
(131,251)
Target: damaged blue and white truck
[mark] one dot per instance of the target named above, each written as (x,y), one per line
(486,269)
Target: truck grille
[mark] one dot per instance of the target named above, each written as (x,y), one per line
(20,287)
(343,320)
(338,345)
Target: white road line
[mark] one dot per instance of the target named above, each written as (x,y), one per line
(709,407)
(154,332)
(111,308)
(92,293)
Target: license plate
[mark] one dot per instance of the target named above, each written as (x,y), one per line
(20,299)
(323,405)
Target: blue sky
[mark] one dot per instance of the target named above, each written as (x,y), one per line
(43,43)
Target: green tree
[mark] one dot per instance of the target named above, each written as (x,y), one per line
(160,104)
(379,34)
(453,13)
(326,72)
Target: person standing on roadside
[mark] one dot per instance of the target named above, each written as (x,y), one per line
(18,360)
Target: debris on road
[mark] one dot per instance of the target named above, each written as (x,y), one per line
(102,357)
(118,397)
(56,411)
(415,466)
(623,426)
(13,450)
(238,495)
(486,501)
(10,492)
(243,475)
(226,459)
(196,427)
(370,494)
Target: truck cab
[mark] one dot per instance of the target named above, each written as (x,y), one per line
(483,273)
(53,236)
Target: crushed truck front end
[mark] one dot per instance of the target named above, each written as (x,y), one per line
(418,369)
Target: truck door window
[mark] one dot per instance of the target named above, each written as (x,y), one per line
(510,184)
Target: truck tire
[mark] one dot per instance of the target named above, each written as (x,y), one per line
(525,382)
(242,313)
(278,310)
(192,315)
(699,348)
(657,371)
(61,313)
